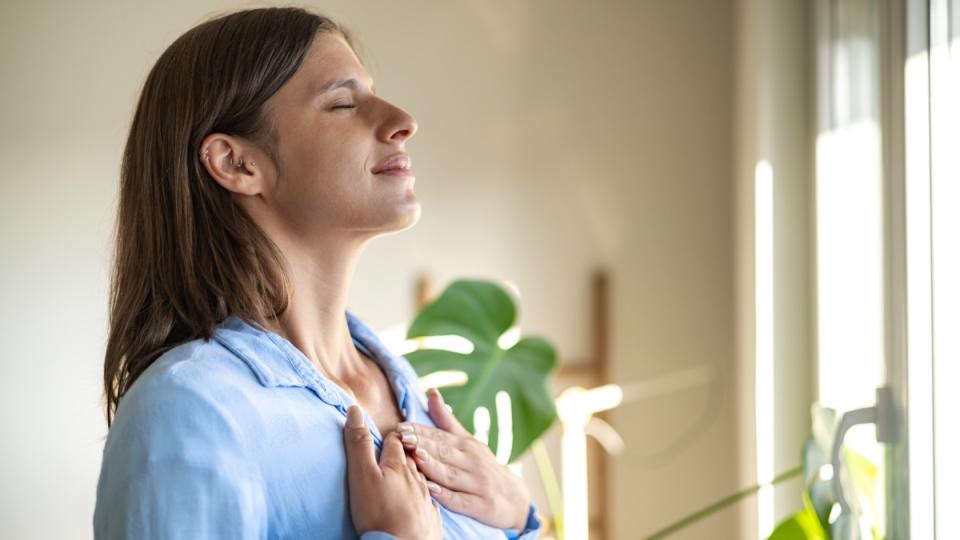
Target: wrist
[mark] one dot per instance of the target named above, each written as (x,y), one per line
(530,527)
(520,519)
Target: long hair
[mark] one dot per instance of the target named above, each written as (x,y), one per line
(186,256)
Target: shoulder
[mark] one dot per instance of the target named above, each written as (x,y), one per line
(176,461)
(190,394)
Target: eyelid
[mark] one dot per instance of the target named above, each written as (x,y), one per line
(343,101)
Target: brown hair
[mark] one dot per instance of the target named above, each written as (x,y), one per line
(186,256)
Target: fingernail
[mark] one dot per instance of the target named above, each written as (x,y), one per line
(354,417)
(434,489)
(421,453)
(409,439)
(405,428)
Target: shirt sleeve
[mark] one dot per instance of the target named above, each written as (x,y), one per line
(530,530)
(174,466)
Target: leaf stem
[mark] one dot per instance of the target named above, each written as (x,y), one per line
(550,484)
(721,504)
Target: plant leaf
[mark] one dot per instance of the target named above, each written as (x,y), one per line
(862,474)
(816,456)
(803,525)
(481,311)
(819,490)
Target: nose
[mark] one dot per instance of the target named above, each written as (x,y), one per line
(398,126)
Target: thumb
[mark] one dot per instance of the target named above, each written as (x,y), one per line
(441,415)
(361,461)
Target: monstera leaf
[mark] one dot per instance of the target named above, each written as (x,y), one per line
(481,312)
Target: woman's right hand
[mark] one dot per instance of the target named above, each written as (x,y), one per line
(390,496)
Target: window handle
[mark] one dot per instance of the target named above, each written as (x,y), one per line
(883,414)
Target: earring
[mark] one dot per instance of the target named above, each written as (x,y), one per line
(253,163)
(205,154)
(240,164)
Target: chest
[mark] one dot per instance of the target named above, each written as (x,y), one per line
(300,454)
(376,397)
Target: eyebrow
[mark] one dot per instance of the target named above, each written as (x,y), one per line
(342,82)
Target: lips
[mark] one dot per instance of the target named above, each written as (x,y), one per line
(397,163)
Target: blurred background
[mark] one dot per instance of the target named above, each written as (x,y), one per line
(706,203)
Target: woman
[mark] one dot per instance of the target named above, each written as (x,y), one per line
(259,163)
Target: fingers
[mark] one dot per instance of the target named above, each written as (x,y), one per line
(413,473)
(441,415)
(423,483)
(464,503)
(358,443)
(451,476)
(443,450)
(417,476)
(414,434)
(411,465)
(391,454)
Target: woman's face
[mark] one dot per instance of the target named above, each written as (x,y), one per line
(342,164)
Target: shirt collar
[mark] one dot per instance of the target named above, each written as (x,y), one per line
(277,362)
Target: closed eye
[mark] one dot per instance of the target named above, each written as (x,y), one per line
(347,106)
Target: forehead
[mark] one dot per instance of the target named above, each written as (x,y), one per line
(329,57)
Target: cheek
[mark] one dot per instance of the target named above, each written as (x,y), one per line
(326,193)
(325,178)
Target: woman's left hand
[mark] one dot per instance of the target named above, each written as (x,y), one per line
(463,474)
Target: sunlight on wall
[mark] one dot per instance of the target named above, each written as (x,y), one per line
(764,381)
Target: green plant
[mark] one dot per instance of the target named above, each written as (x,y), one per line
(815,520)
(721,504)
(481,312)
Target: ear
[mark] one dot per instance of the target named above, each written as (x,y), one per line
(234,163)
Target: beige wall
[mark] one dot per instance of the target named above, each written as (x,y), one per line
(555,136)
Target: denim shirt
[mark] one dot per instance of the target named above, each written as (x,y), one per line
(242,437)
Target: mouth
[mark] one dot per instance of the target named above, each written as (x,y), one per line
(395,165)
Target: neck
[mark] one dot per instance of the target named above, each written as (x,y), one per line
(315,320)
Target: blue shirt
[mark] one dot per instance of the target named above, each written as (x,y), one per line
(242,437)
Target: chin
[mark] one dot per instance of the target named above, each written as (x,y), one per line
(404,217)
(410,216)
